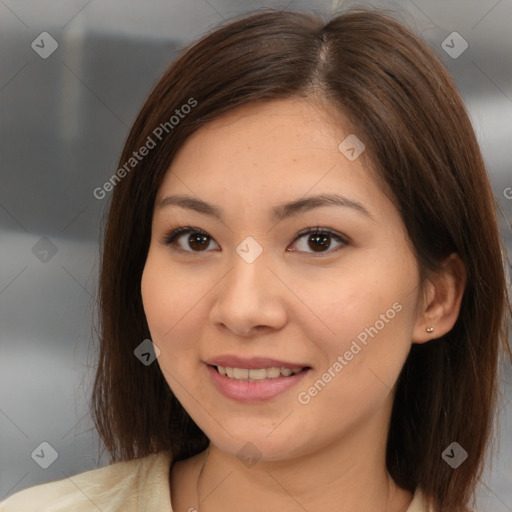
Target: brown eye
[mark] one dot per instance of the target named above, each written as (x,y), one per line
(197,240)
(319,240)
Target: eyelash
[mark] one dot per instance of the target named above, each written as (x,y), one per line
(170,238)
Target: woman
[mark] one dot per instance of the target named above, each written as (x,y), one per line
(302,289)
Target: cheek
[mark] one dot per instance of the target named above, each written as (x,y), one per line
(166,294)
(164,297)
(371,322)
(366,311)
(154,297)
(172,303)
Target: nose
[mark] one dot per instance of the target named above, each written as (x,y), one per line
(249,299)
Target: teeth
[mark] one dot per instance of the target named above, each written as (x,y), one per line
(258,374)
(254,374)
(240,373)
(273,373)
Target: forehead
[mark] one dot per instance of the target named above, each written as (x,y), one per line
(268,146)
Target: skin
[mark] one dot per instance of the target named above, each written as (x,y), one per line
(292,303)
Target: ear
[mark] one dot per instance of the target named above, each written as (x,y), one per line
(442,299)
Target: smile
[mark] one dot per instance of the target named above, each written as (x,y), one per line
(254,384)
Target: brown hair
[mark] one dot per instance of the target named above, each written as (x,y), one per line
(391,87)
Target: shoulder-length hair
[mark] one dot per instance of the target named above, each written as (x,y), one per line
(373,71)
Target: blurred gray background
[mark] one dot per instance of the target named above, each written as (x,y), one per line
(64,117)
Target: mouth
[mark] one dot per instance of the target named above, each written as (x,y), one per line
(256,379)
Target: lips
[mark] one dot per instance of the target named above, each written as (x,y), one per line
(254,379)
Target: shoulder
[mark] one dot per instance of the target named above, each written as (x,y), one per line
(119,487)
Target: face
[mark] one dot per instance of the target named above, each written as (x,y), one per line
(270,334)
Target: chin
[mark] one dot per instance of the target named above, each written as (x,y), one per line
(258,445)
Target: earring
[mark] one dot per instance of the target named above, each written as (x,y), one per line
(429,329)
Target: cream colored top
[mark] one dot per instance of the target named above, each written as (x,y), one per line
(140,485)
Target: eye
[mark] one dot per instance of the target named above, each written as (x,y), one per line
(319,240)
(198,240)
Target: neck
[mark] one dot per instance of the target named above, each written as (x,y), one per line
(348,476)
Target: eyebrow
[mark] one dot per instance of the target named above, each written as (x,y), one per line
(279,212)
